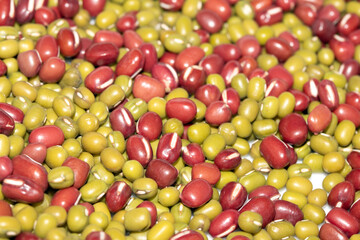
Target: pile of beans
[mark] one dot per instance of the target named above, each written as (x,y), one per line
(179,119)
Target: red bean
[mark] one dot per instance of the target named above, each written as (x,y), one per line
(5,208)
(288,211)
(169,147)
(25,10)
(26,167)
(324,29)
(349,68)
(232,196)
(329,12)
(14,112)
(131,63)
(212,63)
(66,198)
(29,63)
(209,20)
(355,209)
(183,109)
(89,207)
(165,74)
(52,70)
(348,23)
(224,223)
(102,53)
(263,206)
(171,5)
(275,152)
(7,12)
(231,98)
(188,57)
(152,210)
(169,58)
(95,235)
(150,56)
(276,86)
(354,159)
(266,191)
(7,123)
(227,51)
(122,120)
(126,22)
(147,88)
(196,193)
(192,154)
(22,189)
(342,195)
(68,8)
(162,172)
(319,118)
(286,5)
(230,69)
(69,42)
(191,78)
(187,234)
(47,47)
(348,112)
(342,47)
(328,94)
(3,68)
(227,159)
(80,169)
(36,151)
(218,112)
(306,12)
(269,16)
(132,39)
(355,37)
(94,7)
(6,167)
(330,231)
(27,236)
(49,135)
(343,220)
(291,40)
(279,71)
(221,7)
(207,171)
(249,46)
(354,178)
(117,196)
(260,5)
(311,89)
(293,129)
(279,47)
(248,64)
(138,148)
(302,100)
(149,125)
(100,79)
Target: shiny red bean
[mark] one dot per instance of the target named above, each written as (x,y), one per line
(165,74)
(269,16)
(209,20)
(329,12)
(169,147)
(100,79)
(354,159)
(117,196)
(355,209)
(44,16)
(288,211)
(94,7)
(68,8)
(187,234)
(279,71)
(286,5)
(183,109)
(207,171)
(169,58)
(227,159)
(52,70)
(328,94)
(132,39)
(152,210)
(7,12)
(89,207)
(126,22)
(14,112)
(232,196)
(212,63)
(319,118)
(191,78)
(102,53)
(26,167)
(348,23)
(69,42)
(227,51)
(354,178)
(355,37)
(330,231)
(275,152)
(149,125)
(5,208)
(310,88)
(138,148)
(47,47)
(109,36)
(306,12)
(343,220)
(3,68)
(22,189)
(80,169)
(196,193)
(293,129)
(218,112)
(279,47)
(291,40)
(85,44)
(49,135)
(263,206)
(260,5)
(275,87)
(324,29)
(349,68)
(7,123)
(224,223)
(348,112)
(36,151)
(146,88)
(248,64)
(192,154)
(29,63)
(342,47)
(131,63)
(27,236)
(249,46)
(342,195)
(231,98)
(221,7)
(162,172)
(25,11)
(230,69)
(188,57)
(6,167)
(266,191)
(150,56)
(66,198)
(122,120)
(302,100)
(95,235)
(171,5)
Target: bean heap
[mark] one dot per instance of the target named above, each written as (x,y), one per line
(179,119)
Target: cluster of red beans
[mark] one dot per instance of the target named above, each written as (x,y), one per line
(23,180)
